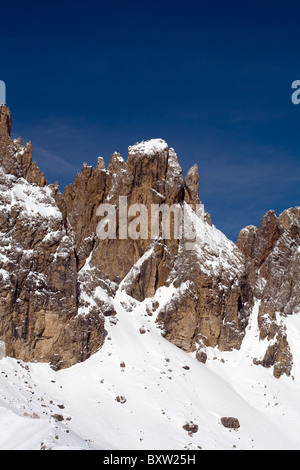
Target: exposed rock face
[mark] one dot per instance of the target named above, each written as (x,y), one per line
(214,300)
(191,186)
(58,277)
(80,204)
(214,303)
(273,259)
(15,159)
(38,267)
(151,175)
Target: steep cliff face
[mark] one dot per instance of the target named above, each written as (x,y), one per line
(59,277)
(272,260)
(38,274)
(212,300)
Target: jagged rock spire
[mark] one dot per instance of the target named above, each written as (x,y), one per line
(5,122)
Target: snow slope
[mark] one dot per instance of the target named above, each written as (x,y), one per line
(164,388)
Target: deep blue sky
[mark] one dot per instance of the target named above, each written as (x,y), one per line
(213,79)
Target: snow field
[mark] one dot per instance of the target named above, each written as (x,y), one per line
(163,388)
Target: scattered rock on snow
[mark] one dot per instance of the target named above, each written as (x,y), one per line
(58,417)
(231,423)
(190,427)
(121,399)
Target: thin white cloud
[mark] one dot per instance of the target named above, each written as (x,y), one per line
(52,161)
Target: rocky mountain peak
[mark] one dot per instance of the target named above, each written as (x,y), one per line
(39,295)
(59,278)
(191,186)
(16,158)
(148,148)
(289,215)
(272,260)
(5,123)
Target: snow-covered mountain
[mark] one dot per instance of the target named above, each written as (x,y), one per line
(139,391)
(147,343)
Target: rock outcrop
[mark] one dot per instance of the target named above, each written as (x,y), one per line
(272,260)
(212,299)
(59,274)
(38,267)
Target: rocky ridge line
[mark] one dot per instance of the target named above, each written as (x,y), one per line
(58,280)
